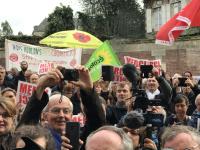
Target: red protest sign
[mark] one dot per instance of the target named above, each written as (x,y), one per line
(24,92)
(118,74)
(45,67)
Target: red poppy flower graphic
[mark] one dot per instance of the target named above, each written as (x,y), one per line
(13,57)
(81,37)
(73,62)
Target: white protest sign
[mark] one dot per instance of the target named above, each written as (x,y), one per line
(35,55)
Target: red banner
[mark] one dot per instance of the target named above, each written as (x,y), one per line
(187,17)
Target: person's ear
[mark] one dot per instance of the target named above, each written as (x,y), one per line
(45,116)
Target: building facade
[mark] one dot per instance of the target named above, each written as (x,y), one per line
(158,12)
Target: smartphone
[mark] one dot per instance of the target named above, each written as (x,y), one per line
(73,134)
(107,72)
(182,81)
(145,70)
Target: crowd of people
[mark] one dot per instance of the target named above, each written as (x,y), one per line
(158,114)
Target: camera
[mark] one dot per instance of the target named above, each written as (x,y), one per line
(70,74)
(142,102)
(146,70)
(154,119)
(182,81)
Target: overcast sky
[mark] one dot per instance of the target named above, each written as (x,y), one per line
(23,15)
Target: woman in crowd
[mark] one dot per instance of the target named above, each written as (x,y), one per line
(180,117)
(7,125)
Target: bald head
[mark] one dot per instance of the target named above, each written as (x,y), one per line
(104,140)
(58,99)
(109,137)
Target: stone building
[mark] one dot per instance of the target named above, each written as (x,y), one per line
(158,12)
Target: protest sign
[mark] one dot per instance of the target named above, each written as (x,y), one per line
(118,74)
(24,92)
(44,68)
(36,55)
(138,62)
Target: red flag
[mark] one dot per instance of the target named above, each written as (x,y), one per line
(187,17)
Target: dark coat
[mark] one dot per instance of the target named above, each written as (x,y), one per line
(114,114)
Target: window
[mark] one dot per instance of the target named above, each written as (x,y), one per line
(175,7)
(157,18)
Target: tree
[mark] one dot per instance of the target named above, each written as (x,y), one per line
(20,33)
(6,29)
(121,18)
(61,19)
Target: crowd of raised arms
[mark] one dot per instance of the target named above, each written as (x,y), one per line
(156,112)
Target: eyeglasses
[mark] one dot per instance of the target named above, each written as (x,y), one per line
(5,115)
(56,110)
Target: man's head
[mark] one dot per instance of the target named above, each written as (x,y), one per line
(97,86)
(109,137)
(187,90)
(10,94)
(58,111)
(34,78)
(14,71)
(181,104)
(24,65)
(180,137)
(152,84)
(2,73)
(123,92)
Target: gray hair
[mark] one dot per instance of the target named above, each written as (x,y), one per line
(170,133)
(126,141)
